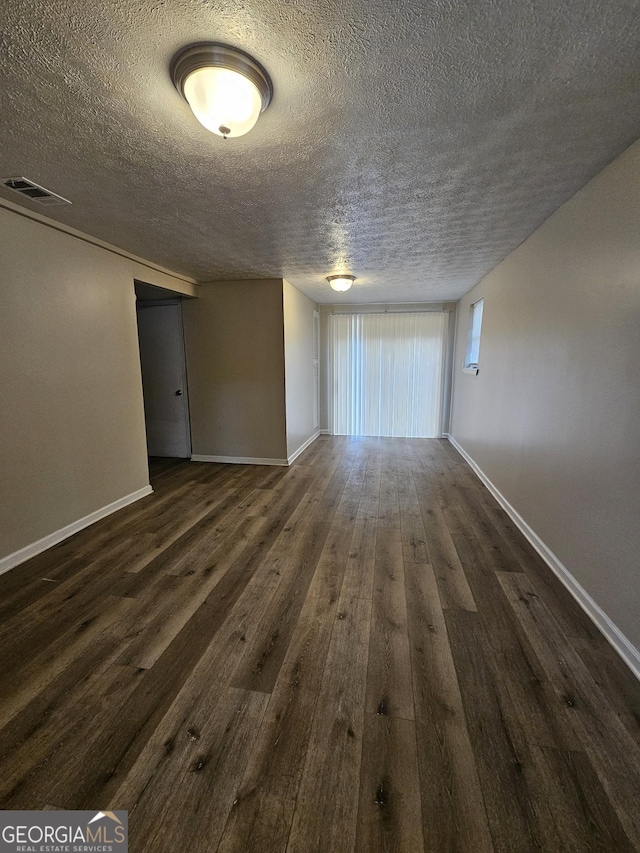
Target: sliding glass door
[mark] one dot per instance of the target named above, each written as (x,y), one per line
(387,373)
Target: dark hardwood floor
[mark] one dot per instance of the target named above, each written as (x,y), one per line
(357,653)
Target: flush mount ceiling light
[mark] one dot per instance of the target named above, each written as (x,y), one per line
(341,282)
(226,89)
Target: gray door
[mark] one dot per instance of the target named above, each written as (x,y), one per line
(164,379)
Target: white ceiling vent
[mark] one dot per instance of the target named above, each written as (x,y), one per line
(33,191)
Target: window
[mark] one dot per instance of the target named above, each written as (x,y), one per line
(472,356)
(387,373)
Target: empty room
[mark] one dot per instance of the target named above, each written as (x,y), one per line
(320,435)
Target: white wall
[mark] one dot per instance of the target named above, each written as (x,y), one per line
(72,437)
(298,355)
(553,418)
(234,340)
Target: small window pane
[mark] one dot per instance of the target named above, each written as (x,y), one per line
(473,337)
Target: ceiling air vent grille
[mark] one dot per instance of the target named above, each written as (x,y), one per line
(34,191)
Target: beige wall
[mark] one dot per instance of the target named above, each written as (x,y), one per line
(234,341)
(553,418)
(148,275)
(298,354)
(72,437)
(327,310)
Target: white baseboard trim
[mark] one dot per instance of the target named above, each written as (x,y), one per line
(325,432)
(302,448)
(238,460)
(627,651)
(13,560)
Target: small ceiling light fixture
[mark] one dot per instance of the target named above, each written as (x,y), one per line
(341,282)
(226,89)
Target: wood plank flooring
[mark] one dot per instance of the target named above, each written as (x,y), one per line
(359,653)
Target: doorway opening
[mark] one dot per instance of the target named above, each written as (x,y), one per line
(164,372)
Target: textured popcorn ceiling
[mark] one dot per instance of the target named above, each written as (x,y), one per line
(413,143)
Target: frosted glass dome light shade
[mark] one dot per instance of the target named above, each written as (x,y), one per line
(226,89)
(223,100)
(341,282)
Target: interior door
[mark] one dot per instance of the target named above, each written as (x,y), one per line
(164,379)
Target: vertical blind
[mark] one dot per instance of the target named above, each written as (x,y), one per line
(316,370)
(387,374)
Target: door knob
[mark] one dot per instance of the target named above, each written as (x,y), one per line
(178,393)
